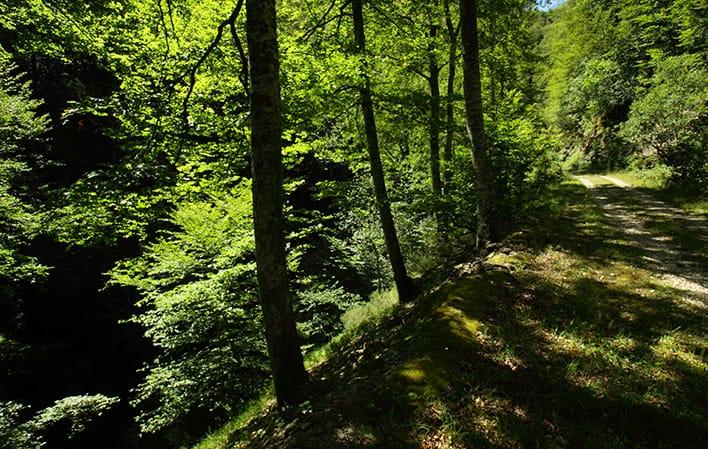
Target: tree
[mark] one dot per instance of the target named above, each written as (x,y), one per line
(487,227)
(669,121)
(400,275)
(434,85)
(452,32)
(289,374)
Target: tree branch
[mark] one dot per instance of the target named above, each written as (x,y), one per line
(214,43)
(243,77)
(325,19)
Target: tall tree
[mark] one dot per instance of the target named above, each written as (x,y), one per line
(452,32)
(487,226)
(434,85)
(400,275)
(286,359)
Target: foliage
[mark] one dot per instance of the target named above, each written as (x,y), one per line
(318,312)
(627,81)
(77,411)
(594,102)
(524,156)
(200,309)
(670,121)
(19,127)
(19,430)
(14,433)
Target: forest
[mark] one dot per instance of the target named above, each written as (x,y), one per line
(353,223)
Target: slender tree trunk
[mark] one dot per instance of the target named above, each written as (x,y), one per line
(450,106)
(403,282)
(487,226)
(434,84)
(286,360)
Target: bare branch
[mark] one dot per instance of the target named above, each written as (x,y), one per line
(326,19)
(243,77)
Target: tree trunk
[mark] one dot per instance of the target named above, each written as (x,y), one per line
(286,360)
(403,282)
(434,84)
(487,227)
(450,112)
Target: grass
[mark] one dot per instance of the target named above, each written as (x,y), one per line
(356,320)
(221,438)
(560,340)
(379,305)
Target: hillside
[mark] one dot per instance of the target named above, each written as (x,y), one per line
(565,336)
(347,223)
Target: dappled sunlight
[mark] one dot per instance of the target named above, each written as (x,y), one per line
(667,240)
(566,341)
(460,324)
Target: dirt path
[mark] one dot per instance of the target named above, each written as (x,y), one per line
(632,211)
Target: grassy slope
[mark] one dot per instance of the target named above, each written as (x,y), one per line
(557,340)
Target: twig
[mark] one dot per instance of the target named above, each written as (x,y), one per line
(325,19)
(243,77)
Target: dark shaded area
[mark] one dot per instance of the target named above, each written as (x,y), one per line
(310,206)
(68,334)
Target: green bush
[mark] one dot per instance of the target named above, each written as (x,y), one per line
(669,122)
(19,430)
(74,411)
(200,309)
(319,309)
(593,105)
(20,128)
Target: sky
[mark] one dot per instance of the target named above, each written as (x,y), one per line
(548,4)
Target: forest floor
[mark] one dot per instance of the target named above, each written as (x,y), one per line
(587,329)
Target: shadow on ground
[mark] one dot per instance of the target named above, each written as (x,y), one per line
(562,340)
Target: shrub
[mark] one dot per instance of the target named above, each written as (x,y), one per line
(319,309)
(20,129)
(595,102)
(200,309)
(76,412)
(670,120)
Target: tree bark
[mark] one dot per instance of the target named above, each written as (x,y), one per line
(289,374)
(400,275)
(487,226)
(434,84)
(450,105)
